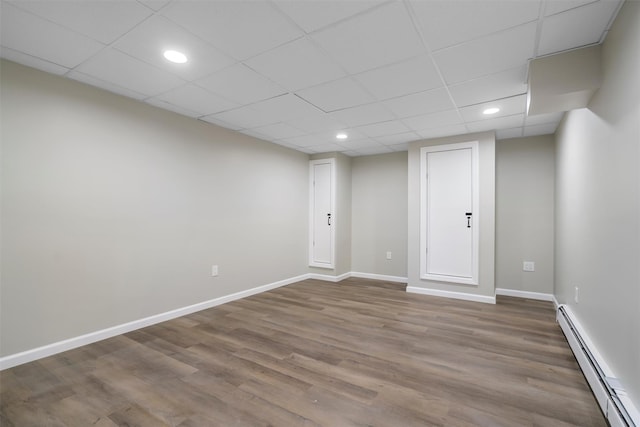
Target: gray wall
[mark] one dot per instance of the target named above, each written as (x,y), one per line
(379,214)
(598,205)
(525,171)
(486,286)
(113,210)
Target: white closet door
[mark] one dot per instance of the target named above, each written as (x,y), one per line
(449,215)
(321,233)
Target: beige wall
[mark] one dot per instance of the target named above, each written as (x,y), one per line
(524,212)
(379,214)
(598,205)
(113,210)
(486,286)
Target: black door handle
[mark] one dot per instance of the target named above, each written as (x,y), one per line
(328,219)
(468,214)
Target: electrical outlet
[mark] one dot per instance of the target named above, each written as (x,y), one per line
(214,270)
(389,255)
(528,266)
(575,295)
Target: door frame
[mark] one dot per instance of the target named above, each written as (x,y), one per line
(334,219)
(475,176)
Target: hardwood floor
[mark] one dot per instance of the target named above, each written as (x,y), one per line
(354,353)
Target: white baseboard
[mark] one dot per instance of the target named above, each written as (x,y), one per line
(384,277)
(451,294)
(75,342)
(328,277)
(524,294)
(12,360)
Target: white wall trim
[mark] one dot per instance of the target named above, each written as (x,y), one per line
(451,294)
(327,277)
(525,294)
(75,342)
(384,277)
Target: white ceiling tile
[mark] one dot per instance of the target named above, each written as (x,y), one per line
(284,108)
(359,143)
(149,40)
(508,107)
(336,95)
(327,148)
(378,37)
(447,23)
(241,29)
(370,151)
(507,122)
(576,27)
(252,133)
(296,65)
(400,138)
(383,129)
(399,147)
(543,129)
(171,107)
(32,61)
(420,103)
(494,86)
(509,133)
(312,15)
(393,93)
(364,114)
(285,144)
(24,32)
(241,118)
(241,84)
(219,122)
(322,138)
(305,150)
(122,70)
(155,4)
(90,80)
(102,20)
(552,7)
(279,131)
(443,131)
(540,119)
(310,140)
(487,55)
(350,153)
(433,120)
(197,99)
(414,75)
(318,122)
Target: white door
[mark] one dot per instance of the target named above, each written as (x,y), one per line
(321,233)
(449,232)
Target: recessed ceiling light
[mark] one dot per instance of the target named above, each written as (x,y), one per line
(491,110)
(341,135)
(175,56)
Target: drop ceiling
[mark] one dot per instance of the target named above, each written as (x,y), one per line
(296,72)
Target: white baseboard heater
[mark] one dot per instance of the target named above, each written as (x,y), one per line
(613,400)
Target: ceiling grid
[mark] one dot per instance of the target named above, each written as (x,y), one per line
(296,72)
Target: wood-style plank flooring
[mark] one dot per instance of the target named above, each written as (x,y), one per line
(354,353)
